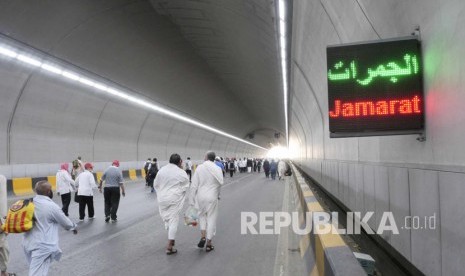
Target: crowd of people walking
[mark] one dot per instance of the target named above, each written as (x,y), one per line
(174,184)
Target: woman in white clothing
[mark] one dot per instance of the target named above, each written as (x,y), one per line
(85,183)
(65,185)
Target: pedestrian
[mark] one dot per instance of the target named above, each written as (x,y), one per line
(254,164)
(189,168)
(249,165)
(220,164)
(232,167)
(146,170)
(273,169)
(65,185)
(113,178)
(152,174)
(41,243)
(266,168)
(78,168)
(259,165)
(171,185)
(4,250)
(204,195)
(281,169)
(86,185)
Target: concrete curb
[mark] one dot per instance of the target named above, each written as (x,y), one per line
(323,254)
(24,186)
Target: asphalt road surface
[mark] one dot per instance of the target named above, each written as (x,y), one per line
(135,245)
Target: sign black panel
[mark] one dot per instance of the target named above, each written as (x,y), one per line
(375,88)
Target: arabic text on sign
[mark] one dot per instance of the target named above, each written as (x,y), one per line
(390,70)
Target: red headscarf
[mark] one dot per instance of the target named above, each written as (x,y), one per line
(65,166)
(88,166)
(115,163)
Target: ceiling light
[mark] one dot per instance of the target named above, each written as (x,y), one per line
(7,52)
(114,92)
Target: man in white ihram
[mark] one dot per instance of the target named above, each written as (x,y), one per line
(171,185)
(41,243)
(204,195)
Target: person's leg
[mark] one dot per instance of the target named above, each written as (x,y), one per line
(203,225)
(107,197)
(90,207)
(82,207)
(65,200)
(231,173)
(212,215)
(115,197)
(39,264)
(4,254)
(172,230)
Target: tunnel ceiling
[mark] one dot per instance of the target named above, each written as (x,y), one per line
(238,41)
(229,44)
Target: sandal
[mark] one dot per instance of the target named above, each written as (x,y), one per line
(201,243)
(209,248)
(171,251)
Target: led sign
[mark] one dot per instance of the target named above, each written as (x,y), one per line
(375,88)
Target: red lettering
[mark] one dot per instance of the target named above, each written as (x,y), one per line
(392,107)
(364,106)
(337,109)
(405,107)
(382,108)
(416,107)
(378,108)
(348,110)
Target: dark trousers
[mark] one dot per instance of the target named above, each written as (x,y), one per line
(112,196)
(231,172)
(83,201)
(65,200)
(189,173)
(150,182)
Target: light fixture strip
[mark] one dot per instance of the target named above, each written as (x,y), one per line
(51,67)
(283,53)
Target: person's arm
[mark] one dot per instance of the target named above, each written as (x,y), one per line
(69,180)
(76,182)
(123,192)
(101,181)
(64,221)
(121,184)
(93,185)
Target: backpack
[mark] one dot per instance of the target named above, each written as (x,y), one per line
(20,217)
(231,165)
(146,167)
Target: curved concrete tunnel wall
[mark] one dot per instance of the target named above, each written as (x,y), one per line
(47,120)
(393,173)
(55,120)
